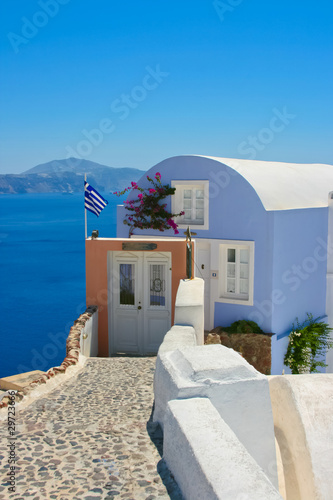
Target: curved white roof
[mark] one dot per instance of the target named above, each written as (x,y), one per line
(285,186)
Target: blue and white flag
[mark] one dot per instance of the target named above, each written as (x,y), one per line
(93,201)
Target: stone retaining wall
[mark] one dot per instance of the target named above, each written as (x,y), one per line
(254,347)
(71,358)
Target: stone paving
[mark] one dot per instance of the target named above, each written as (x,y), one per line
(91,438)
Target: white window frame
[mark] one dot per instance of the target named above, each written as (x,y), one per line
(224,295)
(177,202)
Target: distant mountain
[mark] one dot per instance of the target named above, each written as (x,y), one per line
(66,176)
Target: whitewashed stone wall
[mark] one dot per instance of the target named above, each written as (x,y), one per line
(302,411)
(215,410)
(206,457)
(189,306)
(238,392)
(89,337)
(178,337)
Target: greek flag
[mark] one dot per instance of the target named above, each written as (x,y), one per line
(93,201)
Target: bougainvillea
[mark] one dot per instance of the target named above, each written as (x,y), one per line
(146,210)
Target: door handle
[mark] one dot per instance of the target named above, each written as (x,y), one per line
(139,307)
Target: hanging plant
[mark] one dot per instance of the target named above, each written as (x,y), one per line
(146,210)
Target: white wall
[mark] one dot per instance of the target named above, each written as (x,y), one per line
(221,445)
(329,289)
(239,393)
(218,424)
(207,459)
(302,410)
(89,337)
(178,337)
(189,306)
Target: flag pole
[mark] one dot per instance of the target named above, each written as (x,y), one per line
(85,210)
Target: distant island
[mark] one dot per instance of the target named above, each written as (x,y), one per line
(66,176)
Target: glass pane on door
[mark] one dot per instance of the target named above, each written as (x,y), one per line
(126,284)
(157,284)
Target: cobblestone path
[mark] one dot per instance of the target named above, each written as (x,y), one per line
(91,438)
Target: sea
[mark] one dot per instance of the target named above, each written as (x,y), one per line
(42,274)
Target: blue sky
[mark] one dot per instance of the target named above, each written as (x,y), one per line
(132,83)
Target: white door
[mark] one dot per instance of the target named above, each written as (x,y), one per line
(140,309)
(203,271)
(157,300)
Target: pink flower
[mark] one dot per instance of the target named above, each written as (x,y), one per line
(171,223)
(157,175)
(151,191)
(140,196)
(176,231)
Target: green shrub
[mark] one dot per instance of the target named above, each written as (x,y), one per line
(308,342)
(243,326)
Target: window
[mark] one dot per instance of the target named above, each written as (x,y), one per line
(157,284)
(126,285)
(236,272)
(191,197)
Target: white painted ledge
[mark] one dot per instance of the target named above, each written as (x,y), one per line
(206,457)
(178,337)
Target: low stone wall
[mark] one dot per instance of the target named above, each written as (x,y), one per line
(89,335)
(238,392)
(71,358)
(178,337)
(216,413)
(254,347)
(207,459)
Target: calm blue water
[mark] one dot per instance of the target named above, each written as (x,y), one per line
(42,269)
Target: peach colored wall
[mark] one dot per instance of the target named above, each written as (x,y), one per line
(97,277)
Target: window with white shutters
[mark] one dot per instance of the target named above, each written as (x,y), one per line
(236,273)
(191,197)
